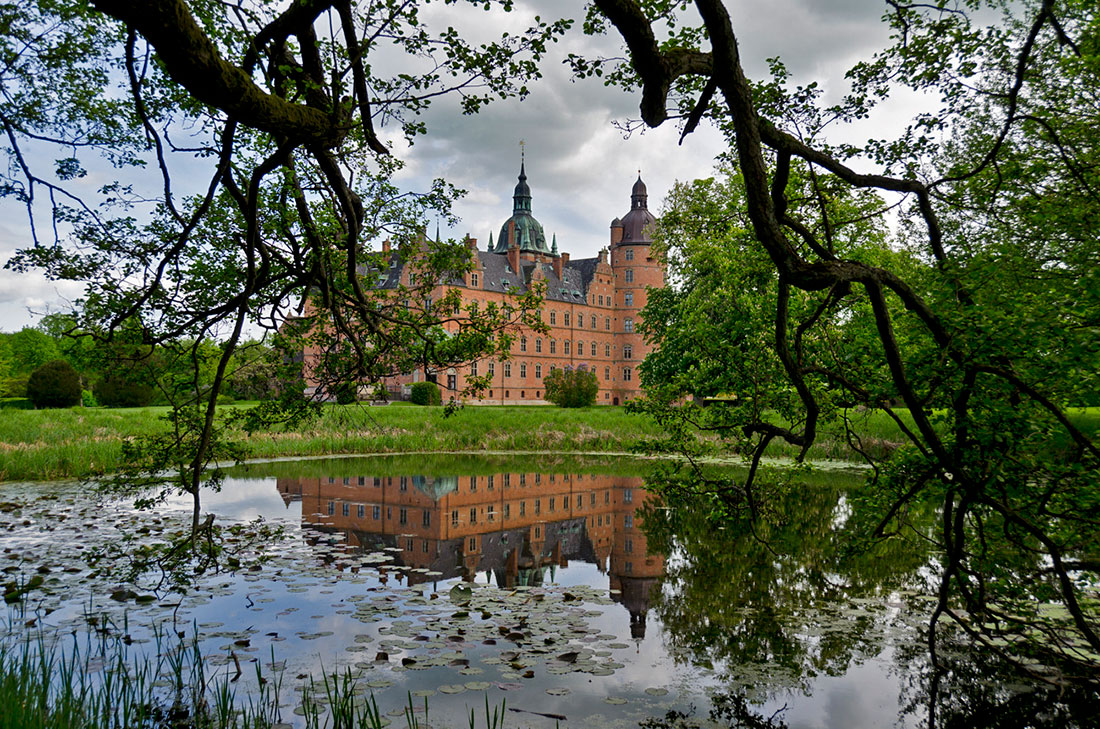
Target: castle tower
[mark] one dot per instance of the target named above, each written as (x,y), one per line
(635,269)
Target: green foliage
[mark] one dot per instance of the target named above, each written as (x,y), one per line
(54,385)
(346,393)
(16,403)
(571,388)
(88,400)
(425,393)
(30,349)
(116,392)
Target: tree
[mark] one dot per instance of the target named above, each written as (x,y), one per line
(977,340)
(571,388)
(54,385)
(425,393)
(280,107)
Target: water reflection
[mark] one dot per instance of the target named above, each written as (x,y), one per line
(517,527)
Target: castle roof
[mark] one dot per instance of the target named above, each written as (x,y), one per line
(638,223)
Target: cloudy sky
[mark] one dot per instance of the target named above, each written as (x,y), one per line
(579,166)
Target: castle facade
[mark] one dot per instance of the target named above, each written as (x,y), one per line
(591,305)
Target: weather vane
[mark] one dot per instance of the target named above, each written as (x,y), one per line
(522,149)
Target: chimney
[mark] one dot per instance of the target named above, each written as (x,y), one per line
(386,246)
(603,255)
(513,256)
(564,259)
(471,243)
(557,265)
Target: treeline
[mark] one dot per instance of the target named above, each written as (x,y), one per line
(124,372)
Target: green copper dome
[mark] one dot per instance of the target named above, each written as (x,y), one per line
(521,228)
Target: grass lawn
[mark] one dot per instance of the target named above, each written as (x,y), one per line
(80,442)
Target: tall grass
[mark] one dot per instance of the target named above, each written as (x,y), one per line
(83,442)
(97,682)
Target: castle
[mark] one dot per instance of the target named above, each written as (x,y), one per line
(591,305)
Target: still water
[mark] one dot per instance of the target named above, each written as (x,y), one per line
(562,586)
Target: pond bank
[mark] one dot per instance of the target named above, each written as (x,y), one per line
(86,442)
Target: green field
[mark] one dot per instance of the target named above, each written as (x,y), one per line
(81,442)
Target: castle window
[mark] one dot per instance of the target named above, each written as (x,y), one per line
(507,369)
(454,517)
(607,372)
(538,345)
(523,344)
(553,347)
(361,511)
(473,515)
(628,298)
(412,279)
(607,323)
(593,349)
(404,483)
(628,352)
(553,317)
(403,515)
(580,321)
(593,321)
(565,316)
(426,518)
(473,484)
(345,509)
(629,275)
(376,512)
(492,369)
(607,350)
(452,382)
(538,371)
(628,325)
(601,299)
(473,369)
(626,374)
(473,280)
(522,369)
(580,348)
(566,344)
(491,512)
(491,481)
(629,254)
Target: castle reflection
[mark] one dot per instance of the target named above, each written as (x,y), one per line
(517,527)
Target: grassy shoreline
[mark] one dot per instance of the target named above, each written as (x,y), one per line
(37,445)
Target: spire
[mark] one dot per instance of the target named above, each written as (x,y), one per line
(638,195)
(490,247)
(521,198)
(554,247)
(437,231)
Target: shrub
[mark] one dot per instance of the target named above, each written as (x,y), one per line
(13,387)
(16,403)
(346,393)
(569,388)
(87,399)
(425,393)
(115,392)
(54,385)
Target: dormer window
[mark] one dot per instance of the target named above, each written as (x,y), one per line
(473,280)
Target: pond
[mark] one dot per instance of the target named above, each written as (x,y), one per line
(560,588)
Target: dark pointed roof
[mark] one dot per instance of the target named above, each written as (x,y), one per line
(638,223)
(521,229)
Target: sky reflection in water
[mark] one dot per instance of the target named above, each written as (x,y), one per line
(558,560)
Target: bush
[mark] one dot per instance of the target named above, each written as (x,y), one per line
(425,393)
(16,403)
(346,393)
(13,387)
(87,399)
(115,392)
(568,388)
(54,385)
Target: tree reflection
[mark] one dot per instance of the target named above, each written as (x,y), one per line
(787,594)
